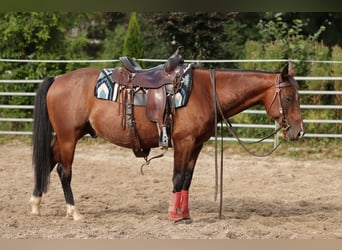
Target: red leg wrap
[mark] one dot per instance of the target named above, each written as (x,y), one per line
(185,204)
(174,207)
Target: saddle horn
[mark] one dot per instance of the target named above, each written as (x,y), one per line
(177,52)
(174,60)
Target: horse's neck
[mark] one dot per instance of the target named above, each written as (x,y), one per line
(239,90)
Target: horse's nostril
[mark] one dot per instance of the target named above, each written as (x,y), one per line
(301,134)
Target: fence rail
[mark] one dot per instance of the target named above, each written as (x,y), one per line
(236,125)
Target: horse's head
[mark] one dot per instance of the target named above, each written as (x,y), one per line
(284,106)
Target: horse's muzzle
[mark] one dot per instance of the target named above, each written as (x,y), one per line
(293,132)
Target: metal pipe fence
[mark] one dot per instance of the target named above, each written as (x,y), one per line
(250,111)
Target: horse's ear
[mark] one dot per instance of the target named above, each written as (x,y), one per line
(288,70)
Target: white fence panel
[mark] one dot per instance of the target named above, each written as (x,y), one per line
(249,111)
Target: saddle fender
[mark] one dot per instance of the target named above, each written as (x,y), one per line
(155,104)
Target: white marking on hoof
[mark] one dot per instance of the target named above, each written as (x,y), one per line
(35,204)
(72,213)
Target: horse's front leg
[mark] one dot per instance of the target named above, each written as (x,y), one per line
(184,165)
(175,202)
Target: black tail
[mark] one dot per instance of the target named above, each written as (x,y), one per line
(42,158)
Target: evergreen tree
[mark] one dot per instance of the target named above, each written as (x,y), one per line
(133,45)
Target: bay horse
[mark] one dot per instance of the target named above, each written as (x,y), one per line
(66,110)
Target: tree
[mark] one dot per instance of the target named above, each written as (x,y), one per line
(133,45)
(100,27)
(288,39)
(201,33)
(35,35)
(113,43)
(237,32)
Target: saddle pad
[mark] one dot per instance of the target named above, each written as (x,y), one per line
(107,88)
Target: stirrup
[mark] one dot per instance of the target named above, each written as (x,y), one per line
(163,139)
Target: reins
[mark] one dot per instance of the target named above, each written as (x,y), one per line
(148,160)
(217,106)
(213,81)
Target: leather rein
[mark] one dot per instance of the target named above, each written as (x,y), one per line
(217,107)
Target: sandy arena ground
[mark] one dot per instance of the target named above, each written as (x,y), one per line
(263,198)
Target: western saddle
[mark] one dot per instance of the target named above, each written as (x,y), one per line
(160,83)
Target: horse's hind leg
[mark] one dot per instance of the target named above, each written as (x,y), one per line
(63,154)
(64,170)
(65,177)
(37,194)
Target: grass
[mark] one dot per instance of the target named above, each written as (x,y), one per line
(311,149)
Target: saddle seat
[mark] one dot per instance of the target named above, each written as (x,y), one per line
(132,66)
(151,78)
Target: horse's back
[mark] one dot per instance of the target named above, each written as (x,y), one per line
(82,75)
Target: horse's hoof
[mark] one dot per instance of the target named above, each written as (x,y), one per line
(74,217)
(35,205)
(35,212)
(72,213)
(77,216)
(183,221)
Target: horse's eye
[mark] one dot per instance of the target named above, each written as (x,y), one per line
(288,98)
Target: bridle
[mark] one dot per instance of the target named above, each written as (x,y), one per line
(217,107)
(278,86)
(283,125)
